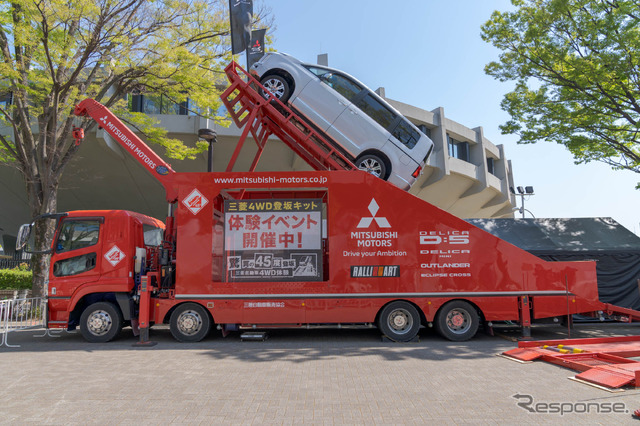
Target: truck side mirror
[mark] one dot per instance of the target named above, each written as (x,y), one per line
(23,236)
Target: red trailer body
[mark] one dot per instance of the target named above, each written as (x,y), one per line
(419,253)
(380,245)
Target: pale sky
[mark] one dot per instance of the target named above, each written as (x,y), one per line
(428,53)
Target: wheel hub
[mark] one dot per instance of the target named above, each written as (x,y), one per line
(189,323)
(400,320)
(371,166)
(458,321)
(99,323)
(275,87)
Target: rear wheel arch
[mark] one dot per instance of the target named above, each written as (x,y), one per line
(284,74)
(80,304)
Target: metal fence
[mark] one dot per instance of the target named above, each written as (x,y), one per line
(15,260)
(21,314)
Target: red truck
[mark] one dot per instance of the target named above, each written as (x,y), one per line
(288,249)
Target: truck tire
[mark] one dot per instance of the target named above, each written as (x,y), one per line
(399,321)
(190,323)
(457,321)
(100,322)
(278,86)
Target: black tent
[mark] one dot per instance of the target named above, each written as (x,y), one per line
(616,249)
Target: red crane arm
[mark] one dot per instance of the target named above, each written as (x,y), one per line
(151,161)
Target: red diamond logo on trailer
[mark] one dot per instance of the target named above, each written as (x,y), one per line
(114,256)
(195,201)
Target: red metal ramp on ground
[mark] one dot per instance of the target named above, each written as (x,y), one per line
(265,117)
(601,361)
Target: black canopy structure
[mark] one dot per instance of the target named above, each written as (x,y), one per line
(615,248)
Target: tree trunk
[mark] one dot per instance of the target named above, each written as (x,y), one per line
(43,231)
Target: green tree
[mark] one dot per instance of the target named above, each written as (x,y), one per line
(576,69)
(54,53)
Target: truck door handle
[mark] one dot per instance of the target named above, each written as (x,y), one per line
(341,103)
(353,111)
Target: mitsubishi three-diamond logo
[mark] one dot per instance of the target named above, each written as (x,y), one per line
(382,222)
(104,119)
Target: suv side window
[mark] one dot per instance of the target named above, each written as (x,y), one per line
(77,234)
(406,134)
(342,85)
(374,109)
(316,71)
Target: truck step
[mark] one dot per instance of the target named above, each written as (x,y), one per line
(260,336)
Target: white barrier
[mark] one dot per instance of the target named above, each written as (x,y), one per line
(21,314)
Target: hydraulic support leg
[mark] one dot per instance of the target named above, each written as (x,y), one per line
(525,316)
(145,306)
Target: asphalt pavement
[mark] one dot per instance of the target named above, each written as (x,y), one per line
(318,376)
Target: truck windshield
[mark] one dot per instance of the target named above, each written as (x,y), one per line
(152,235)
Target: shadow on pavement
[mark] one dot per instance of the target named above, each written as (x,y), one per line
(300,345)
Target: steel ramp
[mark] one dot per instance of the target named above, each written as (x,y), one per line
(524,354)
(600,361)
(262,118)
(613,376)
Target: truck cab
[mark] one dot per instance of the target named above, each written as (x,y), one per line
(92,276)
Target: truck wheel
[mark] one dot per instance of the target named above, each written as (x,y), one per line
(278,86)
(457,321)
(190,323)
(399,321)
(372,164)
(100,322)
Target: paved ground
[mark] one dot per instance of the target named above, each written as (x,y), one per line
(296,376)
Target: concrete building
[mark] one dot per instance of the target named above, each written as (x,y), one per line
(466,175)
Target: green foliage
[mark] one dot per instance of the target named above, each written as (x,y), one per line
(576,69)
(16,279)
(55,53)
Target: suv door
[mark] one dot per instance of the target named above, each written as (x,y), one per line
(357,124)
(325,98)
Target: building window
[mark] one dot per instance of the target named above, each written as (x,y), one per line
(424,129)
(458,149)
(6,99)
(157,104)
(491,165)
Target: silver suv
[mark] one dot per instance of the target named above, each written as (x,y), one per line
(367,129)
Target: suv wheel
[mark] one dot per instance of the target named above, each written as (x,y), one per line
(373,164)
(278,86)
